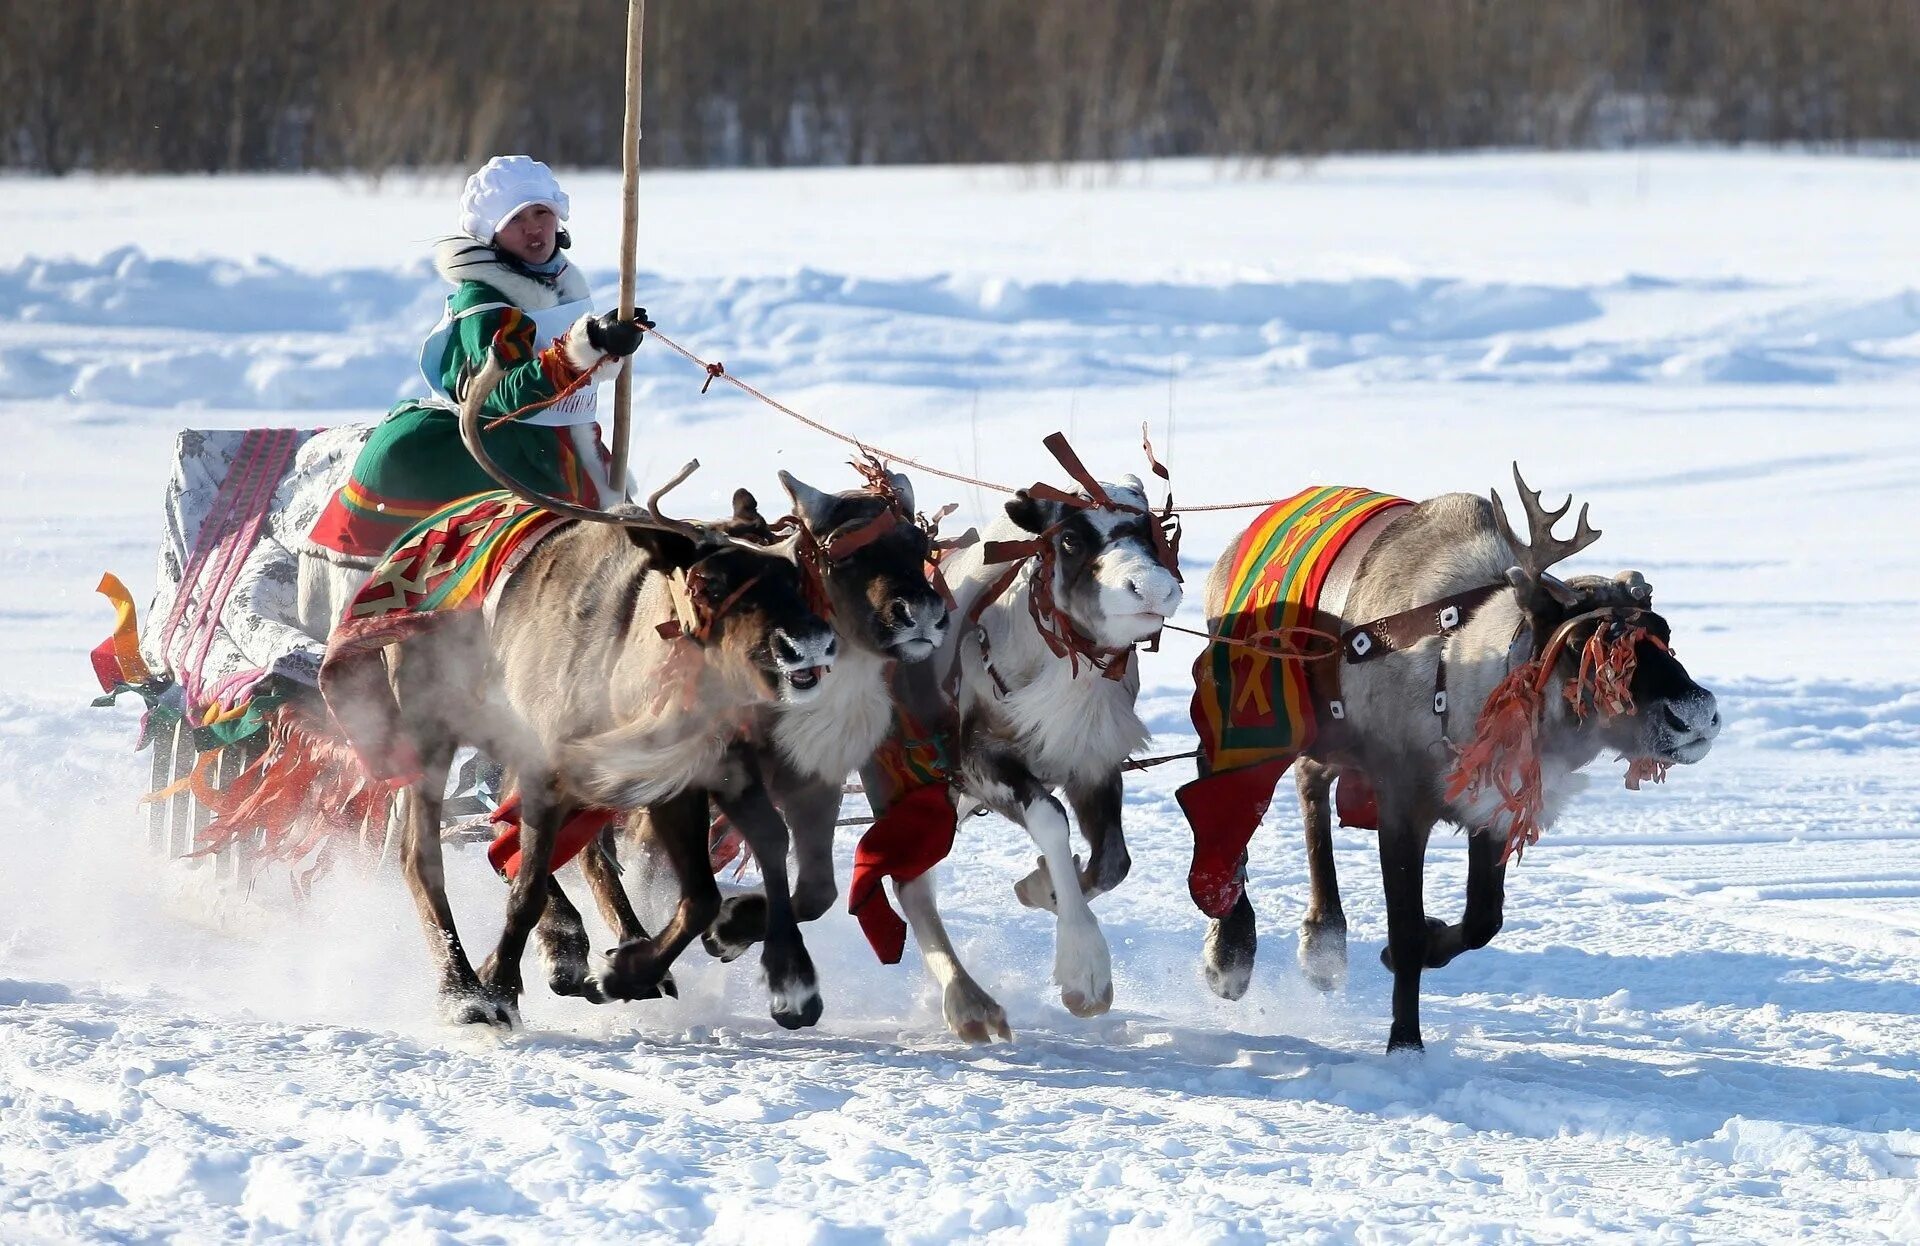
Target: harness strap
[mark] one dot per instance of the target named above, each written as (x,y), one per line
(1402,631)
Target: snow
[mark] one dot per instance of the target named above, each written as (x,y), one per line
(1698,1023)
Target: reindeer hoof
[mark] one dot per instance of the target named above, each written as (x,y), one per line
(1228,953)
(973,1015)
(1081,1005)
(1083,967)
(480,1009)
(741,924)
(582,986)
(1323,954)
(630,984)
(1035,891)
(798,1013)
(1434,927)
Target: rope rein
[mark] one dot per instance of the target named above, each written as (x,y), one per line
(717,371)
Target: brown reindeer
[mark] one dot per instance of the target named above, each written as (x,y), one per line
(617,669)
(1437,612)
(871,554)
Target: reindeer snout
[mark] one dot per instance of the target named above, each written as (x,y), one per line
(1690,724)
(803,653)
(905,616)
(1157,594)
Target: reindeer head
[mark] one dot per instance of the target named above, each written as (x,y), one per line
(747,608)
(1665,716)
(733,597)
(874,563)
(1108,577)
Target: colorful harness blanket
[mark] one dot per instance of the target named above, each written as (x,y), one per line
(1256,712)
(449,562)
(457,559)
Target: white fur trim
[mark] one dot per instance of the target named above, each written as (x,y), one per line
(579,351)
(460,258)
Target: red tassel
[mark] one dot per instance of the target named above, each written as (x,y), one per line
(1504,756)
(911,837)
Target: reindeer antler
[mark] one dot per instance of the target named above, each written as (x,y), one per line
(668,522)
(1542,549)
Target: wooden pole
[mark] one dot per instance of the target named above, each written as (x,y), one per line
(629,238)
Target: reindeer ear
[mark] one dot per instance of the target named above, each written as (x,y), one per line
(666,551)
(1637,588)
(1031,513)
(745,508)
(903,487)
(809,503)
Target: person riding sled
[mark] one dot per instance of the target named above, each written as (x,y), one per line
(515,294)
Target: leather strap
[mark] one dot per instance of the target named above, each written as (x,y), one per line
(1398,632)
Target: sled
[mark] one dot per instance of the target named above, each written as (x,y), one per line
(234,635)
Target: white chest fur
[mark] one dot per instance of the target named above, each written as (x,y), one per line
(836,731)
(1069,726)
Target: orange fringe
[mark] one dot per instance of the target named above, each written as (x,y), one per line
(1504,756)
(307,791)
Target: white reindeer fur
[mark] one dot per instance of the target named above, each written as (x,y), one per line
(1066,723)
(836,731)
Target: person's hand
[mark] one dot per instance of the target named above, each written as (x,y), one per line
(611,335)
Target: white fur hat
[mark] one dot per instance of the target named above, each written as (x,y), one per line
(503,186)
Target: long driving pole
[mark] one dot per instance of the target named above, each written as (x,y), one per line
(629,237)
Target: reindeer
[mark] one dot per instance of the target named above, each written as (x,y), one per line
(871,557)
(1412,712)
(617,669)
(1045,697)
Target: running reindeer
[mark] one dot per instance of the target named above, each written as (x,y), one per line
(1471,686)
(868,554)
(616,663)
(1042,687)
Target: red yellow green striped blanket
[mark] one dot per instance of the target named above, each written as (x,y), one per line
(1256,713)
(450,561)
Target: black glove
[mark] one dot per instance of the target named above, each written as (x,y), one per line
(611,335)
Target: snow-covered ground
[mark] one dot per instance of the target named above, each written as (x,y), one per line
(1701,1021)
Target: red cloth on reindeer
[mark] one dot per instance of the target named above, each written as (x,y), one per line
(581,828)
(1256,713)
(910,788)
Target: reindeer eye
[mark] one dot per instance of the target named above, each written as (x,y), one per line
(1069,543)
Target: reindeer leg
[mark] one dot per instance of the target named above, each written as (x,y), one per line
(1082,965)
(1403,851)
(564,947)
(541,813)
(639,966)
(811,810)
(462,999)
(790,976)
(971,1013)
(601,864)
(1232,943)
(1096,807)
(1323,932)
(1486,899)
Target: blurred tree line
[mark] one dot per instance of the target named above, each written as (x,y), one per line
(370,85)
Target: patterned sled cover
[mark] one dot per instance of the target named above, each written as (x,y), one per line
(257,632)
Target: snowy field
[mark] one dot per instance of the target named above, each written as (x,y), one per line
(1701,1022)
